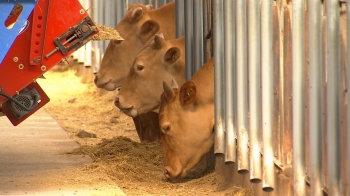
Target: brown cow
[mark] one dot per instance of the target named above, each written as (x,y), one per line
(186,119)
(139,24)
(159,61)
(137,27)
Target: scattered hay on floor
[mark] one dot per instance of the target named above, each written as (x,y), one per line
(126,159)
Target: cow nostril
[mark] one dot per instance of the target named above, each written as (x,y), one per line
(95,80)
(116,101)
(167,174)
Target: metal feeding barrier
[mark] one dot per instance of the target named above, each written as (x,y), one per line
(281,74)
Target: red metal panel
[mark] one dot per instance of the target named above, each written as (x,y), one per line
(28,58)
(17,72)
(38,32)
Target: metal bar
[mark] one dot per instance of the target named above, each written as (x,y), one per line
(229,59)
(254,90)
(100,19)
(120,11)
(155,3)
(267,95)
(242,87)
(207,28)
(315,87)
(161,3)
(333,97)
(219,145)
(180,17)
(198,40)
(112,12)
(348,82)
(298,96)
(189,38)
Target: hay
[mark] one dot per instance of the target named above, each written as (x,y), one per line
(106,33)
(137,168)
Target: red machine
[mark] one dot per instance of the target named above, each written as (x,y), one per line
(53,30)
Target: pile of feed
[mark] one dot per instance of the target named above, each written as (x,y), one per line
(106,33)
(110,139)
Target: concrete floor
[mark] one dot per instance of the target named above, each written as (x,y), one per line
(32,148)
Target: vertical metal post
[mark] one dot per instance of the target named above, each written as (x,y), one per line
(348,81)
(180,17)
(120,11)
(333,97)
(229,59)
(198,59)
(315,89)
(189,38)
(95,45)
(219,145)
(267,95)
(161,3)
(242,87)
(298,96)
(207,29)
(155,3)
(111,12)
(254,89)
(100,19)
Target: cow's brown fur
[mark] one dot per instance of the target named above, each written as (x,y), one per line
(160,60)
(186,118)
(136,28)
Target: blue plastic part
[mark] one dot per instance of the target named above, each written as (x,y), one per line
(8,36)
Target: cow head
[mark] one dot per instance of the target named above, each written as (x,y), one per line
(159,61)
(187,128)
(137,27)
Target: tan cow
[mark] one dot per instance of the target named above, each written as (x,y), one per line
(160,60)
(186,119)
(139,24)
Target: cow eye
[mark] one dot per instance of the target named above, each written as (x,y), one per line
(117,42)
(166,128)
(140,67)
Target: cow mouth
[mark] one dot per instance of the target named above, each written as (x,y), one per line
(130,111)
(127,109)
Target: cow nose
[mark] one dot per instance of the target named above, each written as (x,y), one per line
(95,80)
(167,174)
(116,101)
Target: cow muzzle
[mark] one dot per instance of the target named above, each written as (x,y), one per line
(129,110)
(172,174)
(105,84)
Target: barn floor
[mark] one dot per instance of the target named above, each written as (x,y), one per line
(99,154)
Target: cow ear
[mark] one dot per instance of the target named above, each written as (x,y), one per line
(158,41)
(149,6)
(116,42)
(172,55)
(168,91)
(149,29)
(136,14)
(188,93)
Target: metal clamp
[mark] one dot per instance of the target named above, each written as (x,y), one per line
(75,37)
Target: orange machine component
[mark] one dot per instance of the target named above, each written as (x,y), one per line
(53,31)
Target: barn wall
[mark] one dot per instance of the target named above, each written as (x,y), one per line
(304,102)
